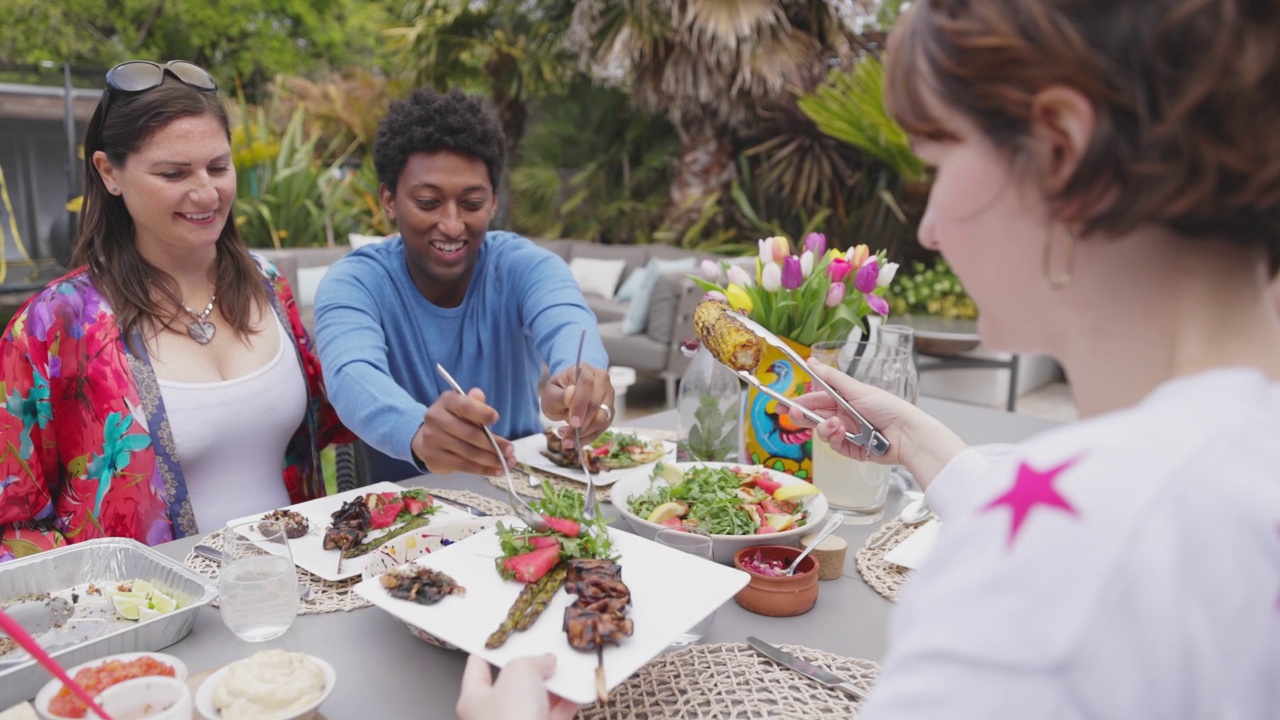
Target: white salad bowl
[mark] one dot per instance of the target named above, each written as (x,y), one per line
(723,547)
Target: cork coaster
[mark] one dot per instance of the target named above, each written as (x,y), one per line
(330,596)
(194,682)
(731,680)
(885,578)
(528,480)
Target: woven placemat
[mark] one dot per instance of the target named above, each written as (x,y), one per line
(329,596)
(885,578)
(731,680)
(522,475)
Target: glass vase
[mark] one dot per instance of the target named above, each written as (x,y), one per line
(710,411)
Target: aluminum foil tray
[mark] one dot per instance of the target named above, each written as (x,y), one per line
(101,561)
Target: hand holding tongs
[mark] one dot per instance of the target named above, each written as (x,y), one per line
(522,509)
(869,438)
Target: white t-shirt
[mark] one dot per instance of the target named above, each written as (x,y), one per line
(1123,567)
(231,436)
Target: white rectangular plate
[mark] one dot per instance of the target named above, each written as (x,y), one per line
(308,551)
(670,592)
(528,452)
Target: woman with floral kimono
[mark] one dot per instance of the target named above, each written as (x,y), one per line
(166,384)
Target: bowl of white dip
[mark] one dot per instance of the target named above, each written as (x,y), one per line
(269,685)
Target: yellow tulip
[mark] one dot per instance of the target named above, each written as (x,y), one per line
(860,255)
(739,299)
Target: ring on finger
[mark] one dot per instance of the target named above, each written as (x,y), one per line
(608,411)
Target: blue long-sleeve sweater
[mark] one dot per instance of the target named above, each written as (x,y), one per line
(380,339)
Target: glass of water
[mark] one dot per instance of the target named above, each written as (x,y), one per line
(694,544)
(258,585)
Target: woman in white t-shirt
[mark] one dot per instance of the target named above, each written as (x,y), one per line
(1108,190)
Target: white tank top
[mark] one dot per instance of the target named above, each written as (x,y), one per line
(231,436)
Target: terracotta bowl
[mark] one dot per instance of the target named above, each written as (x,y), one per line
(778,595)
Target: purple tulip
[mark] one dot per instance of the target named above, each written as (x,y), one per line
(838,268)
(816,243)
(792,275)
(835,295)
(878,304)
(867,276)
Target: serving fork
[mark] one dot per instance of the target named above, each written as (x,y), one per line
(589,504)
(869,437)
(522,509)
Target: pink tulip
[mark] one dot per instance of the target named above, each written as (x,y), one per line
(792,276)
(711,272)
(835,295)
(878,304)
(838,269)
(816,243)
(866,278)
(715,295)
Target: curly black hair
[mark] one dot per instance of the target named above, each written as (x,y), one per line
(428,121)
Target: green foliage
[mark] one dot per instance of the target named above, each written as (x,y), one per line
(591,168)
(931,290)
(849,106)
(248,39)
(289,198)
(713,437)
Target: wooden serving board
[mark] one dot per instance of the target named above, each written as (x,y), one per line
(194,681)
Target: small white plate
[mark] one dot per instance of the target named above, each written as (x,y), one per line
(529,452)
(308,551)
(204,694)
(670,592)
(51,688)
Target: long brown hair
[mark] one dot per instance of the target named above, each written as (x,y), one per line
(140,293)
(1186,94)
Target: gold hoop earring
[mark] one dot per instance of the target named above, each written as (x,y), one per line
(1059,282)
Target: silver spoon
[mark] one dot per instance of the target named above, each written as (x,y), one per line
(913,514)
(833,522)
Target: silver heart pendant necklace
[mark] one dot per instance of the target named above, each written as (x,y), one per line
(200,329)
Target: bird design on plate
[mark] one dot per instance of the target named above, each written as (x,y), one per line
(774,431)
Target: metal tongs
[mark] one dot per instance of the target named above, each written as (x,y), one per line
(522,509)
(869,438)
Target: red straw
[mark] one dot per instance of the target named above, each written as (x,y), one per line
(19,633)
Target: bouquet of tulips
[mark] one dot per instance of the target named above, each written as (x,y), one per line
(817,295)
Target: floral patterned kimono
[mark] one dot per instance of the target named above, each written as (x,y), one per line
(87,450)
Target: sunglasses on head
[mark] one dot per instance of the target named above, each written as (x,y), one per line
(137,76)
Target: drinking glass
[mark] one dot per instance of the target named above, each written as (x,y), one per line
(694,544)
(859,489)
(258,585)
(904,336)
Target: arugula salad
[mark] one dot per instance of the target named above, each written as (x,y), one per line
(528,556)
(722,500)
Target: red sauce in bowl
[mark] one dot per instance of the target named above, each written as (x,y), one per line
(100,677)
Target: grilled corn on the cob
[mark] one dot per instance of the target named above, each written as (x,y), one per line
(729,341)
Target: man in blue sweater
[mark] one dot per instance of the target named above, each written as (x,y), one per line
(491,307)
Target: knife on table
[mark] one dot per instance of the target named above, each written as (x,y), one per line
(809,670)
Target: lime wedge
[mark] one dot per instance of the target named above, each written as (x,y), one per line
(129,607)
(162,603)
(672,474)
(142,586)
(146,613)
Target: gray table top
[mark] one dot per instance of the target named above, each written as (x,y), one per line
(383,671)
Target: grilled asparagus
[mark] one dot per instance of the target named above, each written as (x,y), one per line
(529,604)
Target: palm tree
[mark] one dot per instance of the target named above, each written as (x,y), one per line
(711,66)
(512,50)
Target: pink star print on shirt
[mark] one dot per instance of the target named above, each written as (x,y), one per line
(1031,488)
